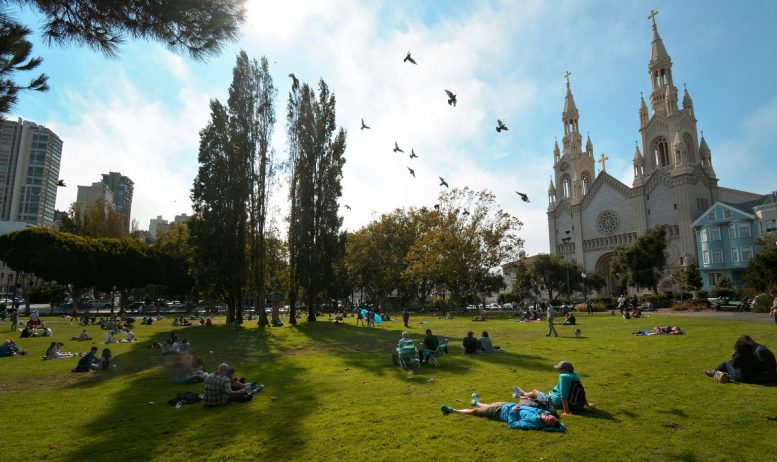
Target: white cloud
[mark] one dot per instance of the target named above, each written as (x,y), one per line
(114,126)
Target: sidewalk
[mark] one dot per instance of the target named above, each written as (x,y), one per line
(729,315)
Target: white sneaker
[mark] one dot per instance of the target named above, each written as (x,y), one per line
(517,392)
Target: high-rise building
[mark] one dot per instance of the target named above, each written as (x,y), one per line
(156,225)
(122,188)
(88,195)
(30,156)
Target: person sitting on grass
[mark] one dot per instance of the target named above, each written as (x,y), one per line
(82,336)
(53,351)
(485,344)
(766,361)
(744,366)
(86,361)
(218,388)
(570,319)
(515,415)
(103,363)
(480,318)
(10,348)
(558,396)
(187,373)
(470,344)
(208,322)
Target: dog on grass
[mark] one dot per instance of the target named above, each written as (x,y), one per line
(578,332)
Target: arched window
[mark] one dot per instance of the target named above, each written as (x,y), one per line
(584,183)
(566,187)
(688,139)
(661,152)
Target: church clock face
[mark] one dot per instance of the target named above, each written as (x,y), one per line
(563,166)
(607,222)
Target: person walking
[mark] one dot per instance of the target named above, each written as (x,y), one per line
(550,314)
(773,311)
(405,317)
(590,305)
(14,319)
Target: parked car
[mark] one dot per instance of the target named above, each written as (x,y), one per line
(95,304)
(492,306)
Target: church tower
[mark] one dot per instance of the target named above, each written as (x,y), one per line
(574,167)
(669,137)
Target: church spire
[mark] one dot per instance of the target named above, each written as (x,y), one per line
(572,139)
(663,97)
(643,111)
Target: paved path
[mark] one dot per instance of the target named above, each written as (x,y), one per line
(730,315)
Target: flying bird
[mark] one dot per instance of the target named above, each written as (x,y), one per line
(409,58)
(364,125)
(412,153)
(412,172)
(295,82)
(443,182)
(61,183)
(451,98)
(500,126)
(396,148)
(465,213)
(524,197)
(347,206)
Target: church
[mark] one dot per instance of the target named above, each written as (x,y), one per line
(590,215)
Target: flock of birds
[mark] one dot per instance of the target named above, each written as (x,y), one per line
(500,127)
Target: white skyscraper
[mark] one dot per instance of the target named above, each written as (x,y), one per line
(29,170)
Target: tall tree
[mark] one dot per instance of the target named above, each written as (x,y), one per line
(252,120)
(640,263)
(217,214)
(316,152)
(761,273)
(198,28)
(15,52)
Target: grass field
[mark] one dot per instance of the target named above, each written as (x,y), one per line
(339,398)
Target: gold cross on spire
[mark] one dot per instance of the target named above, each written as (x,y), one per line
(602,160)
(652,16)
(566,76)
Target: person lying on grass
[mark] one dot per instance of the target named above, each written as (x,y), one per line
(558,396)
(9,348)
(661,330)
(515,415)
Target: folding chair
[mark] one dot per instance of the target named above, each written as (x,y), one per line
(431,356)
(408,355)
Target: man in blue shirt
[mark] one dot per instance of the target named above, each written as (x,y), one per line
(523,418)
(558,396)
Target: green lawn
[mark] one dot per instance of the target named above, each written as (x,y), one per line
(339,397)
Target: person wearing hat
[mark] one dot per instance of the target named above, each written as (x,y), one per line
(558,396)
(470,344)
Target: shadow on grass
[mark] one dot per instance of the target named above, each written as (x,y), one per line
(137,394)
(596,413)
(677,412)
(370,349)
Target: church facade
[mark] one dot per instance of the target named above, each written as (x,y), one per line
(590,215)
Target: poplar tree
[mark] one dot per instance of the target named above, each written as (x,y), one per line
(316,149)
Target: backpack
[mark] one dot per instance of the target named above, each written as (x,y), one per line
(577,400)
(186,397)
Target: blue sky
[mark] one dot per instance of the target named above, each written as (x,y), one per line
(140,114)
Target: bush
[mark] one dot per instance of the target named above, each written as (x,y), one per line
(723,292)
(583,308)
(701,302)
(687,306)
(702,294)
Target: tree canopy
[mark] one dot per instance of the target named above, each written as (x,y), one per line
(640,263)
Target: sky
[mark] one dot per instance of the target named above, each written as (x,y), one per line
(140,114)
